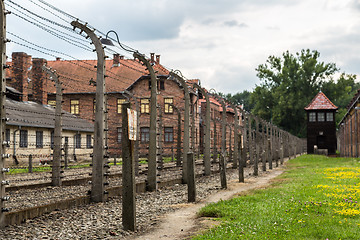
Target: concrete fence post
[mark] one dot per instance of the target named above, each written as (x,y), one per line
(30,164)
(2,114)
(99,152)
(56,163)
(191,177)
(153,144)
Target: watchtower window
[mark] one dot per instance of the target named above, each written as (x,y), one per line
(329,117)
(312,117)
(321,117)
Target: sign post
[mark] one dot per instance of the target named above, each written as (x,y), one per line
(129,129)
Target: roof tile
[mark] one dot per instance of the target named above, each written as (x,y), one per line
(320,101)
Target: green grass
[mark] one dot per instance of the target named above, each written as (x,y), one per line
(316,198)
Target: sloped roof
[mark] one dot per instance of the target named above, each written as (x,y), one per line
(32,114)
(76,74)
(353,100)
(216,102)
(321,102)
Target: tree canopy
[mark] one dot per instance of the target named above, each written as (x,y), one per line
(289,83)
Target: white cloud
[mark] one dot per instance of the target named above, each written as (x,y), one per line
(220,42)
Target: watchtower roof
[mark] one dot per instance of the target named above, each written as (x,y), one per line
(321,102)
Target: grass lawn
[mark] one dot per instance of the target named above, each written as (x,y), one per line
(316,198)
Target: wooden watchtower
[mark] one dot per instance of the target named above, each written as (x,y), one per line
(321,128)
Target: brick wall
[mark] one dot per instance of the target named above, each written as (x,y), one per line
(21,62)
(39,81)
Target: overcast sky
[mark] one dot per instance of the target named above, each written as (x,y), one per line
(221,42)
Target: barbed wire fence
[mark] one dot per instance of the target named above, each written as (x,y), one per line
(30,141)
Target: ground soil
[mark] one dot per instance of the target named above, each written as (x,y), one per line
(184,223)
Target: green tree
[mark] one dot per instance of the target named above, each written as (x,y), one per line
(288,84)
(241,98)
(341,92)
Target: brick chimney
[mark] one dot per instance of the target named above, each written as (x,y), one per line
(21,63)
(116,60)
(158,59)
(152,57)
(39,81)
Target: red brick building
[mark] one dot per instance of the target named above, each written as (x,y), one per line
(78,79)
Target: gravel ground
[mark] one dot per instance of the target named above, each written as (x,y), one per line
(26,198)
(103,220)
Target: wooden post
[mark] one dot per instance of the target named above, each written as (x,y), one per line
(191,177)
(222,166)
(215,142)
(250,138)
(256,160)
(66,155)
(137,141)
(128,175)
(269,137)
(264,144)
(241,160)
(114,161)
(277,141)
(30,164)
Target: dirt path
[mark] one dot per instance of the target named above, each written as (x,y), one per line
(183,223)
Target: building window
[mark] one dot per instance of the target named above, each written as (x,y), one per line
(321,117)
(145,134)
(120,102)
(78,140)
(145,105)
(119,132)
(168,107)
(74,107)
(52,103)
(161,84)
(329,117)
(88,141)
(23,138)
(7,137)
(52,140)
(169,134)
(312,117)
(39,139)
